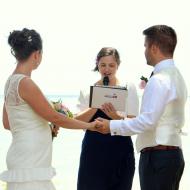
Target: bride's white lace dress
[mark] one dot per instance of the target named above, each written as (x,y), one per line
(30,154)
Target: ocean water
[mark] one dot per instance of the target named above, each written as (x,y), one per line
(67,147)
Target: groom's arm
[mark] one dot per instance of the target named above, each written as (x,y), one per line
(156,96)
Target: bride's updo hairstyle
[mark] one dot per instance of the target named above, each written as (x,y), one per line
(24,42)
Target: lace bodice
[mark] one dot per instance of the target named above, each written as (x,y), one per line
(11,93)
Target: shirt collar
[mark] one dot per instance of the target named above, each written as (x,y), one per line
(163,64)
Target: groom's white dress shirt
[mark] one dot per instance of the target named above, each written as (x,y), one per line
(162,110)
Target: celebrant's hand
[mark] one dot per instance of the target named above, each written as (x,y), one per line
(110,111)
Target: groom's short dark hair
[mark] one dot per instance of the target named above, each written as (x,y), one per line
(163,36)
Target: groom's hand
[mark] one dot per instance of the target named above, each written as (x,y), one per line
(102,125)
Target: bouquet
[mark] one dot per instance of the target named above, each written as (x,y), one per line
(143,82)
(61,108)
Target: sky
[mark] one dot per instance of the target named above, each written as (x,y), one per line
(73,31)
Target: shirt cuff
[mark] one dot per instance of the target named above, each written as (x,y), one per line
(121,127)
(115,127)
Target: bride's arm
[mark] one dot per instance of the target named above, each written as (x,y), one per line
(31,93)
(5,119)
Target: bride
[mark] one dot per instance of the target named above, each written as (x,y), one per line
(26,114)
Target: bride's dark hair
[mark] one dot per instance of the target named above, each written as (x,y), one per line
(24,42)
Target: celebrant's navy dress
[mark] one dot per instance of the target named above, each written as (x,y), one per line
(107,162)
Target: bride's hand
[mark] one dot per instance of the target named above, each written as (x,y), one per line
(54,130)
(100,125)
(92,126)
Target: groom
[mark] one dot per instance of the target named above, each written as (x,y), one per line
(162,115)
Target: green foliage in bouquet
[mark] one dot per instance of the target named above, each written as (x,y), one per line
(59,107)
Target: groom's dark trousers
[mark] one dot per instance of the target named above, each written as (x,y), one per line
(161,169)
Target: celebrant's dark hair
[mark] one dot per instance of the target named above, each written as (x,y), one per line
(24,42)
(106,51)
(163,36)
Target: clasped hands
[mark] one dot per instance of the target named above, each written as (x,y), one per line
(100,125)
(103,125)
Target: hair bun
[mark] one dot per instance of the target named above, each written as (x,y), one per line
(24,42)
(19,38)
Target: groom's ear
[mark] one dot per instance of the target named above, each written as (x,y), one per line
(154,48)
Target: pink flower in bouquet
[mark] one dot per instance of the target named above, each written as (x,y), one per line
(61,108)
(143,82)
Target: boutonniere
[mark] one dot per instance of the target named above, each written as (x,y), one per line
(143,82)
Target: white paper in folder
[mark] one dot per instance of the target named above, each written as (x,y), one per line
(105,94)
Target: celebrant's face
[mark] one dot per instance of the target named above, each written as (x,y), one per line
(107,66)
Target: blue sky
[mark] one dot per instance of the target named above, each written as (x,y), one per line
(73,31)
